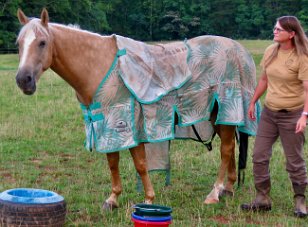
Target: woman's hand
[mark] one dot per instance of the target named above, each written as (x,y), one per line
(260,89)
(301,124)
(251,112)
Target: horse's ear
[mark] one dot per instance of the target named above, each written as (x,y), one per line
(44,17)
(23,19)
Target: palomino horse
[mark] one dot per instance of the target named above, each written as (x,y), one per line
(84,59)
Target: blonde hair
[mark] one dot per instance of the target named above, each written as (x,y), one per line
(300,41)
(35,25)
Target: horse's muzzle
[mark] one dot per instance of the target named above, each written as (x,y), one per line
(26,82)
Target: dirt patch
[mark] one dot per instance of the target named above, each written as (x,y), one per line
(252,221)
(66,158)
(221,219)
(36,161)
(7,177)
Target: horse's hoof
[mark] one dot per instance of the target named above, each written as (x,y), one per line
(109,206)
(210,201)
(256,207)
(226,193)
(150,202)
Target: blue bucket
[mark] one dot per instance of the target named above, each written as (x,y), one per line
(152,218)
(30,196)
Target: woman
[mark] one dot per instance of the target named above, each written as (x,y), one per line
(285,78)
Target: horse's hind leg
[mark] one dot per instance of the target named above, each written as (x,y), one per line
(113,162)
(226,134)
(139,157)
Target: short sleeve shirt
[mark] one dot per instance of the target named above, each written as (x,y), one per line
(285,75)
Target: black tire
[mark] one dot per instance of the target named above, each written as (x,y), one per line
(32,214)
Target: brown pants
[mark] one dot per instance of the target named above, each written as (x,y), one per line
(273,125)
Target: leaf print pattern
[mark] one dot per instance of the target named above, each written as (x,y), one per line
(210,69)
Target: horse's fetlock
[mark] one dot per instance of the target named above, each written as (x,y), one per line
(151,196)
(117,190)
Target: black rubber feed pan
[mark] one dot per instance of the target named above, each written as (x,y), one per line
(143,209)
(22,207)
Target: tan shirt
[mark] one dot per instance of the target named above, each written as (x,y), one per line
(285,75)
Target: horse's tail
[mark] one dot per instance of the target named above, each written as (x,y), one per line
(242,158)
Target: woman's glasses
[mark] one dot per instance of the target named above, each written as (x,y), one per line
(278,29)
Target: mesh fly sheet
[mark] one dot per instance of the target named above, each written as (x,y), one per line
(147,86)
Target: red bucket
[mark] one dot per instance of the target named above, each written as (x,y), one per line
(139,223)
(151,221)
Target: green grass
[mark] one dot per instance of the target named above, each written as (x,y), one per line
(41,146)
(8,62)
(256,48)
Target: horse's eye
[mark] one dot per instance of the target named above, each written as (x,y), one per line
(42,44)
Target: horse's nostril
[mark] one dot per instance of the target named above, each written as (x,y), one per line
(24,79)
(28,79)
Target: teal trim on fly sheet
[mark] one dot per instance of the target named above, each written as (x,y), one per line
(239,124)
(118,54)
(89,112)
(251,133)
(116,149)
(135,132)
(189,51)
(89,117)
(159,97)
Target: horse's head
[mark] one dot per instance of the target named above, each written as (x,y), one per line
(35,50)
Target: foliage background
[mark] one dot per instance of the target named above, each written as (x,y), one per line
(156,20)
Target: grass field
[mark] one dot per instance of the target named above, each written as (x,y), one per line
(41,146)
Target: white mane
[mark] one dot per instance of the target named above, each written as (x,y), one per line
(35,25)
(75,27)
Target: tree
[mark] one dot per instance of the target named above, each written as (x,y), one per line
(303,14)
(199,24)
(249,19)
(152,20)
(222,17)
(9,25)
(89,14)
(174,26)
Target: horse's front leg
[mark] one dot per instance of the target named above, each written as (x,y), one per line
(231,173)
(139,157)
(226,134)
(113,162)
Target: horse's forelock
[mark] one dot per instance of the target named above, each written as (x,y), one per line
(35,25)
